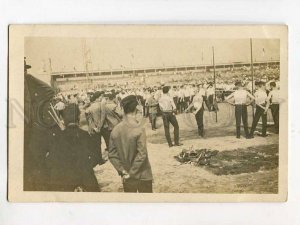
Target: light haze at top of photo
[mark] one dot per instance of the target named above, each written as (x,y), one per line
(67,54)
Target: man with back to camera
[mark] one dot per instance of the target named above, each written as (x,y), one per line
(168,109)
(128,150)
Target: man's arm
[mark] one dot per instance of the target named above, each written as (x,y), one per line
(113,156)
(140,157)
(173,104)
(102,115)
(268,100)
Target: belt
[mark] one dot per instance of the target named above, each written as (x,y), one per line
(167,111)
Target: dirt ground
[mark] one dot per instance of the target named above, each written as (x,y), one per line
(170,176)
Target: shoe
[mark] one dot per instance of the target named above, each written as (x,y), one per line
(170,146)
(249,137)
(179,144)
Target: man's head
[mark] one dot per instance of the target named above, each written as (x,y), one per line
(238,84)
(95,96)
(129,104)
(273,85)
(166,89)
(261,84)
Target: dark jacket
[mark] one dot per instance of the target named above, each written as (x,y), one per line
(71,159)
(128,150)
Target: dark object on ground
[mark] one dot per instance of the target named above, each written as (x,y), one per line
(233,162)
(198,156)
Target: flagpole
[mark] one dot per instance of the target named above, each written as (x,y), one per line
(213,51)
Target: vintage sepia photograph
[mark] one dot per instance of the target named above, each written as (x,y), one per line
(189,111)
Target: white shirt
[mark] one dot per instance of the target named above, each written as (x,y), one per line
(59,106)
(275,96)
(240,97)
(260,97)
(210,91)
(202,92)
(166,103)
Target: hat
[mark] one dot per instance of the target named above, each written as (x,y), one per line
(71,114)
(128,103)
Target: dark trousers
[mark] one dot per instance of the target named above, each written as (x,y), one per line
(60,114)
(168,118)
(96,141)
(105,132)
(186,102)
(141,186)
(175,99)
(152,117)
(259,113)
(275,114)
(241,114)
(211,103)
(199,119)
(181,105)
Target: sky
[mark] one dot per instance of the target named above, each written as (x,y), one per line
(66,54)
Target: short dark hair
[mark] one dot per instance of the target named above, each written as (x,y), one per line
(273,84)
(166,89)
(129,104)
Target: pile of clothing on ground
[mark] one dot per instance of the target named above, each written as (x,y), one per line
(197,157)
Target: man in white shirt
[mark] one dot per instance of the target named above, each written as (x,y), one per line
(198,110)
(59,107)
(273,102)
(260,100)
(240,99)
(168,108)
(210,97)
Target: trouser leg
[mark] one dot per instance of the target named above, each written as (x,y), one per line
(153,120)
(275,114)
(257,115)
(167,128)
(130,185)
(264,123)
(238,115)
(145,186)
(245,120)
(199,119)
(174,122)
(106,135)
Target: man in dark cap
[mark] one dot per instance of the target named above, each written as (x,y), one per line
(72,157)
(168,108)
(128,150)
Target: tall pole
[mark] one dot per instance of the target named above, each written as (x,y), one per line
(213,51)
(252,72)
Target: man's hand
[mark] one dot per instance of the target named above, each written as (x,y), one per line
(125,176)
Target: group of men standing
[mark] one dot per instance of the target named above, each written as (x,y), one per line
(263,99)
(125,137)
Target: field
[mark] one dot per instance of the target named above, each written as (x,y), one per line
(241,166)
